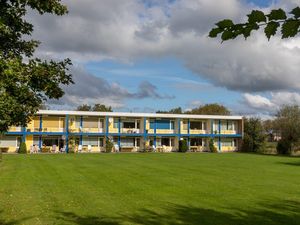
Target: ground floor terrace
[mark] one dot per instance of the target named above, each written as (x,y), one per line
(55,143)
(150,189)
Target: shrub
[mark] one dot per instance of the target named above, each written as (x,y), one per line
(23,148)
(72,144)
(183,147)
(283,147)
(212,147)
(108,145)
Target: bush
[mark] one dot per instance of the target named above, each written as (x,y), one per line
(72,144)
(283,147)
(23,148)
(183,147)
(108,145)
(212,146)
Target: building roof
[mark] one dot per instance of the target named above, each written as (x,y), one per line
(129,114)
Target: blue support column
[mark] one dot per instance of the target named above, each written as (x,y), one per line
(119,132)
(23,134)
(155,124)
(40,142)
(41,124)
(188,140)
(219,135)
(81,126)
(40,130)
(145,132)
(67,133)
(106,126)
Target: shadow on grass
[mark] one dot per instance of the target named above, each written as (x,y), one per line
(276,214)
(11,222)
(291,163)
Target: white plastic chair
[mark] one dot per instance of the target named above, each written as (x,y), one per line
(89,148)
(79,148)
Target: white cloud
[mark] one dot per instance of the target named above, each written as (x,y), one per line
(129,30)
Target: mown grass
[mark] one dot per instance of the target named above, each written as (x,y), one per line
(149,189)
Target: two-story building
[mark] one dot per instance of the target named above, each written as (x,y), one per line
(53,131)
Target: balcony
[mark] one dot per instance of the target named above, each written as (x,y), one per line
(47,129)
(86,130)
(131,131)
(15,129)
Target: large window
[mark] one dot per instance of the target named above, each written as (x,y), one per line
(50,141)
(165,141)
(196,125)
(93,141)
(8,142)
(162,124)
(227,143)
(196,142)
(129,124)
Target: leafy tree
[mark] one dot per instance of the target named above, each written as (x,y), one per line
(288,123)
(277,19)
(212,146)
(101,108)
(254,135)
(177,110)
(26,81)
(95,108)
(23,148)
(183,146)
(210,109)
(84,107)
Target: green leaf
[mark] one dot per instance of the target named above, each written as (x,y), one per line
(227,35)
(271,29)
(250,27)
(214,32)
(224,24)
(296,12)
(290,28)
(277,14)
(256,16)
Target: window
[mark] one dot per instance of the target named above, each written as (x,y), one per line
(90,122)
(93,141)
(8,141)
(128,124)
(227,143)
(196,142)
(127,142)
(138,142)
(162,124)
(165,141)
(116,123)
(196,125)
(50,141)
(185,125)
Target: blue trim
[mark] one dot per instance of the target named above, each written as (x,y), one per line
(81,121)
(24,134)
(67,133)
(41,123)
(179,127)
(212,128)
(145,132)
(106,126)
(80,140)
(40,142)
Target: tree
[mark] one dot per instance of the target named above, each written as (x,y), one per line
(84,107)
(210,109)
(177,110)
(275,20)
(26,81)
(254,135)
(101,108)
(95,108)
(288,123)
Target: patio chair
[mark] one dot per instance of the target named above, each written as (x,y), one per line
(54,148)
(89,148)
(79,148)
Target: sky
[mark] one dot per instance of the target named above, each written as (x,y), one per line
(149,55)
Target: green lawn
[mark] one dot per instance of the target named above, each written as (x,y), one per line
(149,189)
